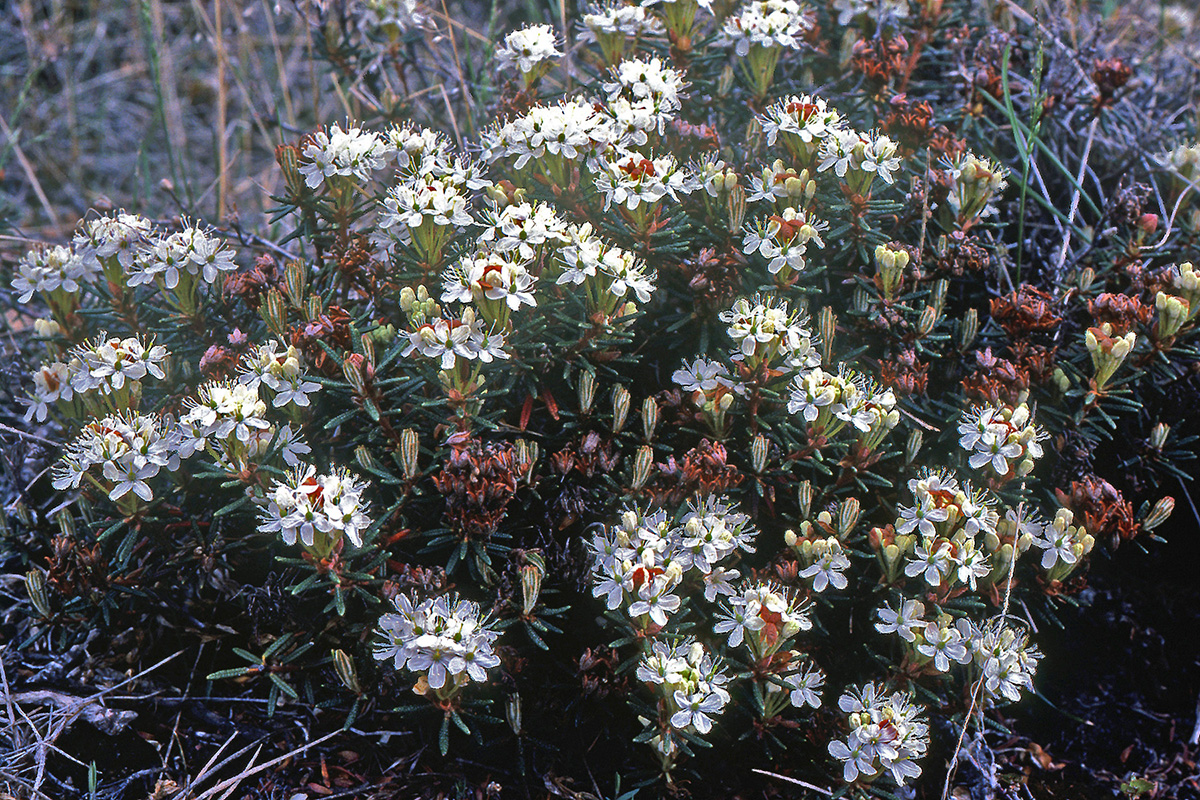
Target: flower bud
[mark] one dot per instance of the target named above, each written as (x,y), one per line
(735,208)
(352,369)
(35,584)
(848,516)
(295,280)
(789,537)
(642,463)
(1173,312)
(1159,434)
(274,313)
(759,450)
(46,328)
(410,450)
(532,572)
(1159,514)
(512,712)
(620,408)
(725,81)
(288,158)
(913,446)
(587,391)
(343,665)
(929,318)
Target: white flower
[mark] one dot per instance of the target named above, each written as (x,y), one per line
(353,153)
(527,47)
(305,503)
(443,638)
(805,687)
(942,643)
(904,622)
(51,269)
(51,383)
(694,710)
(701,376)
(489,277)
(932,559)
(767,23)
(128,448)
(829,565)
(631,179)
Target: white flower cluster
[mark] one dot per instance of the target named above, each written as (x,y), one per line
(829,402)
(783,186)
(52,269)
(190,253)
(762,616)
(643,95)
(609,272)
(947,521)
(783,239)
(767,24)
(859,157)
(887,735)
(801,123)
(526,228)
(421,202)
(281,369)
(874,10)
(1002,655)
(129,450)
(228,420)
(765,329)
(447,640)
(1062,544)
(495,282)
(570,130)
(631,179)
(527,48)
(690,684)
(615,22)
(118,236)
(641,562)
(393,16)
(702,375)
(351,153)
(1002,438)
(105,364)
(316,509)
(449,340)
(974,183)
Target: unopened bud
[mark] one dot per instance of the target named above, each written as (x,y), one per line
(929,318)
(532,572)
(826,329)
(410,450)
(587,391)
(621,401)
(352,370)
(760,448)
(969,329)
(789,537)
(343,665)
(1159,434)
(35,584)
(649,417)
(1159,514)
(295,280)
(642,463)
(913,446)
(274,312)
(848,515)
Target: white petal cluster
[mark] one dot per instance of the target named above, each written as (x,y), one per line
(763,617)
(412,203)
(129,450)
(783,239)
(1002,438)
(887,735)
(608,270)
(281,369)
(352,153)
(801,123)
(702,375)
(525,228)
(689,682)
(192,251)
(620,19)
(446,640)
(640,562)
(573,129)
(118,235)
(631,179)
(51,269)
(1062,543)
(447,340)
(764,328)
(948,521)
(974,183)
(1006,658)
(485,278)
(105,364)
(850,152)
(643,95)
(305,506)
(527,47)
(228,419)
(767,24)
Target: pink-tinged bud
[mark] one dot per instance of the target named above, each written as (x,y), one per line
(1148,223)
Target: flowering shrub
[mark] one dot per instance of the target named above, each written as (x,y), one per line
(713,395)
